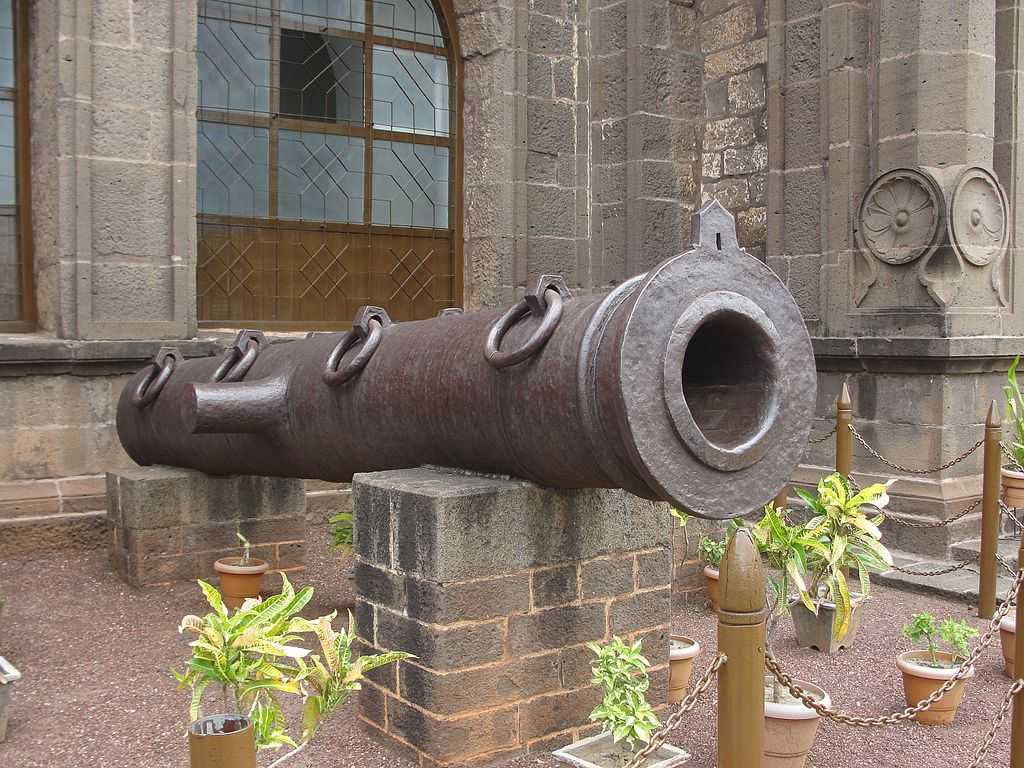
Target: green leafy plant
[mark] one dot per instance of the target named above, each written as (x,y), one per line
(246,549)
(954,634)
(847,539)
(624,712)
(1015,404)
(712,551)
(253,657)
(341,530)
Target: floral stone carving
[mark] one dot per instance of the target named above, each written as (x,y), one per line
(900,216)
(977,217)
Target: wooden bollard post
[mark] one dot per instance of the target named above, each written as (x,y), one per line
(741,627)
(844,436)
(1017,730)
(990,513)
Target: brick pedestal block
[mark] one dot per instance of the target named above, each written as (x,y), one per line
(170,524)
(496,585)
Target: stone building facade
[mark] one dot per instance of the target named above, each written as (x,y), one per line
(869,151)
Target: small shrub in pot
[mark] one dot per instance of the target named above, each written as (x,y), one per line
(1013,470)
(926,670)
(712,551)
(252,657)
(241,578)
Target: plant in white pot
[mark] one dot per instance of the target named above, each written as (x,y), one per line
(928,669)
(827,613)
(251,657)
(1013,470)
(627,719)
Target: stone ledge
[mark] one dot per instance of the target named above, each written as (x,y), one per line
(959,354)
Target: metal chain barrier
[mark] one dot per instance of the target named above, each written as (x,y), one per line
(909,470)
(773,666)
(823,438)
(1016,687)
(939,523)
(676,717)
(942,572)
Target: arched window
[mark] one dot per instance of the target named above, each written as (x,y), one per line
(327,162)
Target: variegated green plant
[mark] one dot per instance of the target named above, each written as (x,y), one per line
(624,711)
(252,655)
(848,539)
(1015,405)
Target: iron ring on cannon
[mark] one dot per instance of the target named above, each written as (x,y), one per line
(152,383)
(367,328)
(544,301)
(237,363)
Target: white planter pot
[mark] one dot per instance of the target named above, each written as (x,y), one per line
(681,653)
(1008,639)
(601,752)
(8,676)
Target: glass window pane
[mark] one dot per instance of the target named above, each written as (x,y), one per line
(8,167)
(320,177)
(413,20)
(319,14)
(321,77)
(410,185)
(239,11)
(10,269)
(232,169)
(234,66)
(410,91)
(6,44)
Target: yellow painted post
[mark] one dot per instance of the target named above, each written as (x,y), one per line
(741,628)
(990,513)
(844,437)
(1017,731)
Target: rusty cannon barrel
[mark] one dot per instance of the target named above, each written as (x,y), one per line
(694,384)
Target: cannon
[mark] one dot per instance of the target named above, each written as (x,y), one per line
(693,384)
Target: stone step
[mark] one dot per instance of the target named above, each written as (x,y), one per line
(54,532)
(971,550)
(959,584)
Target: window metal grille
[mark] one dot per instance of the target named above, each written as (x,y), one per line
(327,162)
(16,293)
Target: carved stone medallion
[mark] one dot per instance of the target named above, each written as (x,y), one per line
(900,215)
(977,217)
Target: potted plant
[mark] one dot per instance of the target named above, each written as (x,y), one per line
(1008,639)
(240,577)
(926,670)
(251,658)
(1013,470)
(711,552)
(8,676)
(627,720)
(682,650)
(789,726)
(827,613)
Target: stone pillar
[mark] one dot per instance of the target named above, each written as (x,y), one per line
(113,167)
(169,524)
(496,585)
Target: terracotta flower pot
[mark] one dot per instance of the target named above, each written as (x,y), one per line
(711,581)
(789,727)
(222,741)
(600,752)
(681,652)
(1008,639)
(237,581)
(920,681)
(1013,487)
(816,631)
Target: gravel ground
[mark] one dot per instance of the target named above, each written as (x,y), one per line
(96,691)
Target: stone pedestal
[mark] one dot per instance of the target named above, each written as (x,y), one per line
(170,524)
(496,585)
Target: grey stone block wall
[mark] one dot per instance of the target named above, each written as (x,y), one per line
(497,585)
